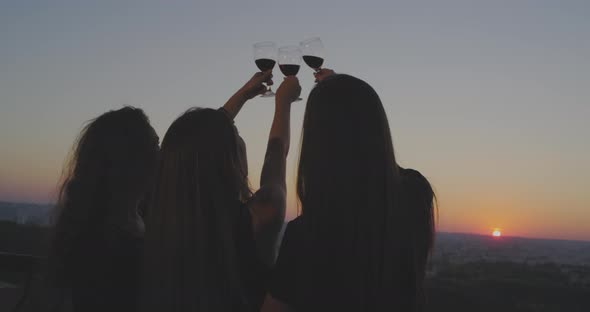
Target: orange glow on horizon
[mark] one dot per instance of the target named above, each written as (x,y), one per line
(496,233)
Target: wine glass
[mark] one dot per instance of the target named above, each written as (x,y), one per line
(265,55)
(313,53)
(289,61)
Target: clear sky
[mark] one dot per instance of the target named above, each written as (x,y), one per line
(490,100)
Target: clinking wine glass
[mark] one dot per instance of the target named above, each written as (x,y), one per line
(313,53)
(265,55)
(290,61)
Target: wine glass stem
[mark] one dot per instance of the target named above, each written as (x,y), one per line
(316,71)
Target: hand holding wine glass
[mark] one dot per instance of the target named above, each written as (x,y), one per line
(255,86)
(265,55)
(289,90)
(290,61)
(250,89)
(313,53)
(323,74)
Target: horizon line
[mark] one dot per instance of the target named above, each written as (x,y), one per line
(437,231)
(520,237)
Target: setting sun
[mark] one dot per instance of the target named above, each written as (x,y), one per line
(496,233)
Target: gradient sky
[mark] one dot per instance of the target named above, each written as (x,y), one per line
(488,99)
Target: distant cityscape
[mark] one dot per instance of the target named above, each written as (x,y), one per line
(463,248)
(25,213)
(484,273)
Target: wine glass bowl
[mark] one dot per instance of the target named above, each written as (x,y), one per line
(313,52)
(265,55)
(290,61)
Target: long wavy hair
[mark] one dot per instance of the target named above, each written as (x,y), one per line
(113,161)
(359,216)
(191,259)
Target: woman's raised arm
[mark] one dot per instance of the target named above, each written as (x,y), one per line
(269,204)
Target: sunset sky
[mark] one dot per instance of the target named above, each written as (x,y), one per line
(490,100)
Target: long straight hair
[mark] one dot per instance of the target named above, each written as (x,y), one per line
(113,159)
(352,202)
(190,258)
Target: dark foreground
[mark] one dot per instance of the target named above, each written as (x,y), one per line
(506,287)
(466,273)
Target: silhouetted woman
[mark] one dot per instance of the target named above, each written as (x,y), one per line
(366,225)
(97,244)
(210,241)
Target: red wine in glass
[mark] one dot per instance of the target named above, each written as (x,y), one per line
(265,55)
(289,61)
(314,62)
(313,53)
(265,64)
(289,69)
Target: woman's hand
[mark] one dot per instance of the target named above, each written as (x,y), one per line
(323,74)
(289,90)
(255,85)
(252,88)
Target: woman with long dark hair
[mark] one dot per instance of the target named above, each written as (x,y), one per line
(366,225)
(210,241)
(98,234)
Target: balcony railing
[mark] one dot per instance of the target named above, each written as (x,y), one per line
(25,265)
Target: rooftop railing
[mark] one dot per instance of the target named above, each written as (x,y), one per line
(26,266)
